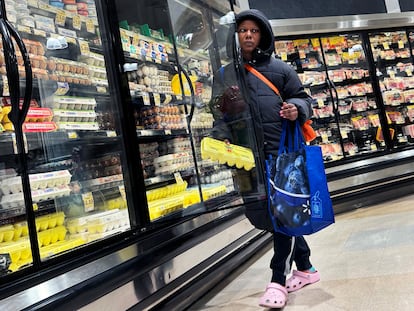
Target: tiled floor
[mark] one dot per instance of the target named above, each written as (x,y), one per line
(366,261)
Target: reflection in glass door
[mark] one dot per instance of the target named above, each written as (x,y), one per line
(393,60)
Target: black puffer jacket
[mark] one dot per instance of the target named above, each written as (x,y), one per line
(268,104)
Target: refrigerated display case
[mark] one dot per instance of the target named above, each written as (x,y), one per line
(109,167)
(394,64)
(171,68)
(334,69)
(358,73)
(67,188)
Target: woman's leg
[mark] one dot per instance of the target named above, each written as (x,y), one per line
(281,263)
(301,254)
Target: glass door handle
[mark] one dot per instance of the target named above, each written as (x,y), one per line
(18,112)
(17,115)
(335,103)
(192,96)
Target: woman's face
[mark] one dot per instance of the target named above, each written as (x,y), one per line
(249,37)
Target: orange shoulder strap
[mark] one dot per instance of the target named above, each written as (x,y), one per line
(307,130)
(263,78)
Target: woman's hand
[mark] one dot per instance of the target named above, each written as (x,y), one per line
(289,111)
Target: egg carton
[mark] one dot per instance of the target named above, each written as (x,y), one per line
(72,102)
(74,115)
(13,185)
(16,200)
(229,154)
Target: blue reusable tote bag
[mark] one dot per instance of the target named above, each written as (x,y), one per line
(299,202)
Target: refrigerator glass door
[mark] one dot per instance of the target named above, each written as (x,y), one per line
(75,154)
(305,56)
(393,61)
(172,50)
(355,105)
(217,111)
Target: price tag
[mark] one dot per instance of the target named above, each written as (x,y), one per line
(392,74)
(84,47)
(400,44)
(35,206)
(62,88)
(320,103)
(146,98)
(90,26)
(122,192)
(408,72)
(44,6)
(14,142)
(178,178)
(32,3)
(302,54)
(283,56)
(38,32)
(386,46)
(325,138)
(101,89)
(88,202)
(157,99)
(111,133)
(76,22)
(135,39)
(60,18)
(25,29)
(6,91)
(72,135)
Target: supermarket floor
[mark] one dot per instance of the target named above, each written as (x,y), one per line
(366,261)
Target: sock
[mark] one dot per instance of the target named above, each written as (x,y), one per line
(311,270)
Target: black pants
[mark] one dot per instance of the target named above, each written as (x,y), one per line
(287,250)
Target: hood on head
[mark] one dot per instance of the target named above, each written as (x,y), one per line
(267,38)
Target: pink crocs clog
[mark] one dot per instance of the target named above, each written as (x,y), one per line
(275,296)
(300,279)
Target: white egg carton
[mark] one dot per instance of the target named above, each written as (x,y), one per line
(171,163)
(74,115)
(13,185)
(16,199)
(72,102)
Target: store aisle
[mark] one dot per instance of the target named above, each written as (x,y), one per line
(366,260)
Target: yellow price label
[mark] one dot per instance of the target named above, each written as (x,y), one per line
(76,22)
(122,192)
(32,3)
(321,103)
(72,135)
(408,72)
(283,56)
(88,201)
(400,44)
(60,18)
(386,46)
(135,39)
(35,207)
(84,47)
(90,26)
